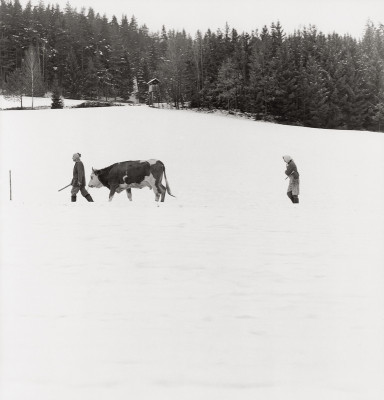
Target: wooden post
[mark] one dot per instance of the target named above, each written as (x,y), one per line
(10,185)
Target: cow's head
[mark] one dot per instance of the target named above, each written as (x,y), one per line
(94,182)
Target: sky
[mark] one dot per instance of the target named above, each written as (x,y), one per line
(341,16)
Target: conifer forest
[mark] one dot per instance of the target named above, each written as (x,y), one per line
(302,78)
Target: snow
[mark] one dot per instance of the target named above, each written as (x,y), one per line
(228,291)
(37,102)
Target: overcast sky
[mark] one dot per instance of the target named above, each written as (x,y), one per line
(341,16)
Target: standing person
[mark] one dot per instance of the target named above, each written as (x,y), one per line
(294,181)
(78,181)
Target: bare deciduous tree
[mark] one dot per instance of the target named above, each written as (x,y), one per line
(31,72)
(15,87)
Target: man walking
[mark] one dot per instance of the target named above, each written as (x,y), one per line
(294,181)
(78,181)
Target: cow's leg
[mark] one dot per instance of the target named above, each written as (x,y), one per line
(159,188)
(129,194)
(112,192)
(163,190)
(156,191)
(152,184)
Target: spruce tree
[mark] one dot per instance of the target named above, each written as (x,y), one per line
(57,102)
(228,85)
(125,87)
(91,81)
(378,115)
(72,79)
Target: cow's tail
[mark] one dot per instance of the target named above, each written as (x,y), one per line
(167,184)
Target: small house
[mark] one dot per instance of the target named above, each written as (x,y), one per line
(153,91)
(153,85)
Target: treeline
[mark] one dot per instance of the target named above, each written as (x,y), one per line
(305,78)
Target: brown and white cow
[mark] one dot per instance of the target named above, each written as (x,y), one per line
(132,174)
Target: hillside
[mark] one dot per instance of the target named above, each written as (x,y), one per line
(226,291)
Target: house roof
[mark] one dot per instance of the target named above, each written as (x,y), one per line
(153,81)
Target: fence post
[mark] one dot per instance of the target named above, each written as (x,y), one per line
(10,185)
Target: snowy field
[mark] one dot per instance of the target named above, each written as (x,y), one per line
(226,292)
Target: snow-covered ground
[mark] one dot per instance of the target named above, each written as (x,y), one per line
(6,103)
(228,291)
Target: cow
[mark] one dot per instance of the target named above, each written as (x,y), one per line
(132,174)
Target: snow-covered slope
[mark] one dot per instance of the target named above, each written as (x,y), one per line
(227,291)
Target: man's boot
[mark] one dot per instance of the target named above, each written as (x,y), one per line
(73,198)
(88,197)
(295,199)
(289,194)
